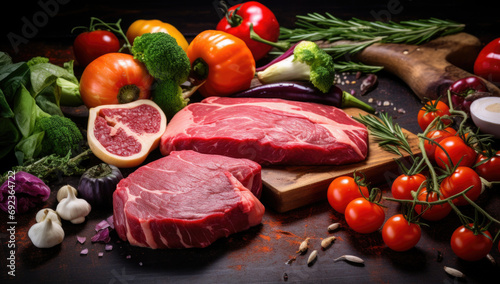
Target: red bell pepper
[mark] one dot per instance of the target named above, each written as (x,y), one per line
(487,64)
(466,90)
(240,17)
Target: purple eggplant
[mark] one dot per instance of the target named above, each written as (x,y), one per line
(304,92)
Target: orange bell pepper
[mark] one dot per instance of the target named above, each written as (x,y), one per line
(222,61)
(140,27)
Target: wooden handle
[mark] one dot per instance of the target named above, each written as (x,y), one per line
(428,69)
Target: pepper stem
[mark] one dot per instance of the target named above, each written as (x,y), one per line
(281,45)
(199,70)
(349,100)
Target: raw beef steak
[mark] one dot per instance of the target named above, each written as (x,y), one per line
(267,131)
(187,199)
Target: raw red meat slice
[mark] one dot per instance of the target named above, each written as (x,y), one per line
(124,134)
(268,131)
(187,199)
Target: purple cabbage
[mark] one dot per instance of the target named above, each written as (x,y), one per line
(27,190)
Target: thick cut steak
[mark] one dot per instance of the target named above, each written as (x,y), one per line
(187,199)
(267,131)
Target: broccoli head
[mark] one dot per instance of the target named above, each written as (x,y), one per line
(61,135)
(167,94)
(162,56)
(308,63)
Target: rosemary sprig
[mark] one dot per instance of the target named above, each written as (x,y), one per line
(388,134)
(315,26)
(53,166)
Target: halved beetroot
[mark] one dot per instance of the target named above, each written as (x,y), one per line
(124,134)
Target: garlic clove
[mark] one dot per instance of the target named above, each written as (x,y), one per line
(63,192)
(46,234)
(48,213)
(73,209)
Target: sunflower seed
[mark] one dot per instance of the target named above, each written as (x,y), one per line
(333,227)
(327,242)
(350,258)
(312,258)
(454,272)
(304,246)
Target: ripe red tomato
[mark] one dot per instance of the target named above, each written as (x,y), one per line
(238,20)
(469,246)
(461,179)
(90,45)
(434,212)
(430,111)
(437,136)
(114,78)
(456,149)
(343,190)
(364,216)
(489,170)
(403,185)
(399,234)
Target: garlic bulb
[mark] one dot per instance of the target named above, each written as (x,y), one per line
(46,234)
(73,209)
(48,213)
(63,192)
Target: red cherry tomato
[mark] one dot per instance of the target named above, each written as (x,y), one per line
(399,234)
(364,216)
(487,64)
(457,149)
(461,179)
(403,185)
(343,190)
(434,212)
(90,45)
(489,170)
(237,22)
(469,246)
(437,136)
(430,111)
(114,78)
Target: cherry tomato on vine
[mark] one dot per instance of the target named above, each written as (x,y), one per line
(430,111)
(437,136)
(399,234)
(469,245)
(434,212)
(457,149)
(403,185)
(489,170)
(343,190)
(364,216)
(92,44)
(114,78)
(461,179)
(238,20)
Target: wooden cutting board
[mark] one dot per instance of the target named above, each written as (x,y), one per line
(287,187)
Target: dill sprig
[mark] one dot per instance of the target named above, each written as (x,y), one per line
(388,134)
(316,27)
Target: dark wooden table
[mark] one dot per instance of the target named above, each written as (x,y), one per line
(262,253)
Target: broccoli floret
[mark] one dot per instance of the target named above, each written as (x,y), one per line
(61,135)
(162,56)
(307,63)
(167,94)
(36,60)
